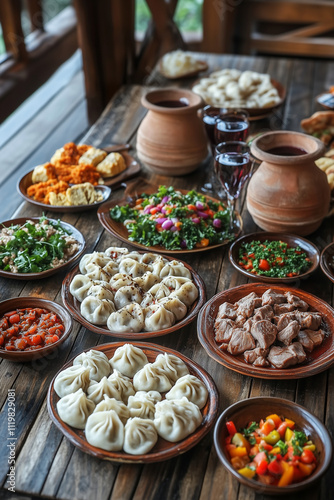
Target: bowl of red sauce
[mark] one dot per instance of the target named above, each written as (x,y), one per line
(272,445)
(31,328)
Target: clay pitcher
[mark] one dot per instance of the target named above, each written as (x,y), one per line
(288,193)
(171,138)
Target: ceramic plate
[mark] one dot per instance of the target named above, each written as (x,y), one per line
(163,450)
(133,168)
(311,251)
(327,261)
(133,192)
(45,274)
(23,302)
(317,361)
(73,305)
(259,113)
(203,66)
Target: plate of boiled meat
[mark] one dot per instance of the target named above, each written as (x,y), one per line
(268,331)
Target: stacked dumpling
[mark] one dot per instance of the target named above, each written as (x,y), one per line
(131,292)
(126,403)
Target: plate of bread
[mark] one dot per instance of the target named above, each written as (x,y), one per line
(77,177)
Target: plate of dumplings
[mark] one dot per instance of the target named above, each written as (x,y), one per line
(132,295)
(133,403)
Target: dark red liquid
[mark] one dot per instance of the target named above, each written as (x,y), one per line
(231,128)
(210,122)
(232,169)
(177,103)
(286,151)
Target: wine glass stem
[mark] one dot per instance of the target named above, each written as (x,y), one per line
(231,207)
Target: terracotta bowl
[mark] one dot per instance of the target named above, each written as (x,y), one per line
(21,303)
(49,272)
(163,450)
(73,305)
(321,358)
(254,409)
(292,240)
(327,261)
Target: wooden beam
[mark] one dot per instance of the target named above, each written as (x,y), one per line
(10,19)
(35,11)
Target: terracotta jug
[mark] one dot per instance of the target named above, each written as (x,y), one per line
(171,139)
(288,193)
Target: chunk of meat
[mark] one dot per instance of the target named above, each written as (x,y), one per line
(269,297)
(309,320)
(283,357)
(265,312)
(224,329)
(251,356)
(283,308)
(261,361)
(298,303)
(246,305)
(247,326)
(227,310)
(289,333)
(264,332)
(283,320)
(240,342)
(240,320)
(310,339)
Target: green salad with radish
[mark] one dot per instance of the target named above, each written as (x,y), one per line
(174,220)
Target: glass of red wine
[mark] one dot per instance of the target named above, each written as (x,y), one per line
(233,165)
(231,125)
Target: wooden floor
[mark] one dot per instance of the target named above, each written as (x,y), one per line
(29,137)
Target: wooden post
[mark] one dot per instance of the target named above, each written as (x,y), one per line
(218,24)
(35,11)
(10,18)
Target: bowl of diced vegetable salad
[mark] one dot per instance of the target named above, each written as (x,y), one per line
(273,257)
(272,445)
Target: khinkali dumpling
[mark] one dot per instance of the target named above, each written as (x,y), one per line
(96,272)
(148,299)
(140,436)
(97,390)
(101,291)
(96,361)
(119,280)
(128,360)
(172,366)
(133,255)
(175,268)
(71,379)
(111,268)
(154,396)
(149,258)
(98,258)
(190,387)
(147,280)
(116,253)
(75,408)
(157,318)
(80,286)
(128,319)
(175,282)
(127,295)
(104,429)
(96,311)
(188,293)
(123,385)
(176,419)
(157,265)
(112,404)
(175,306)
(159,291)
(151,378)
(132,267)
(141,405)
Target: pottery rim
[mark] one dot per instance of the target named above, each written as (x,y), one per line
(314,147)
(149,100)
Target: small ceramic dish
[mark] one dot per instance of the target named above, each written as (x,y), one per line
(163,450)
(73,305)
(202,66)
(253,409)
(292,240)
(131,193)
(326,100)
(327,261)
(321,358)
(133,168)
(23,302)
(72,231)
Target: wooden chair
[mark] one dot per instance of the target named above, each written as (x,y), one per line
(292,27)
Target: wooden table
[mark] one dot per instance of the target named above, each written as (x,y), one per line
(47,465)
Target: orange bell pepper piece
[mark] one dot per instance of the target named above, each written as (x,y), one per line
(287,476)
(277,420)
